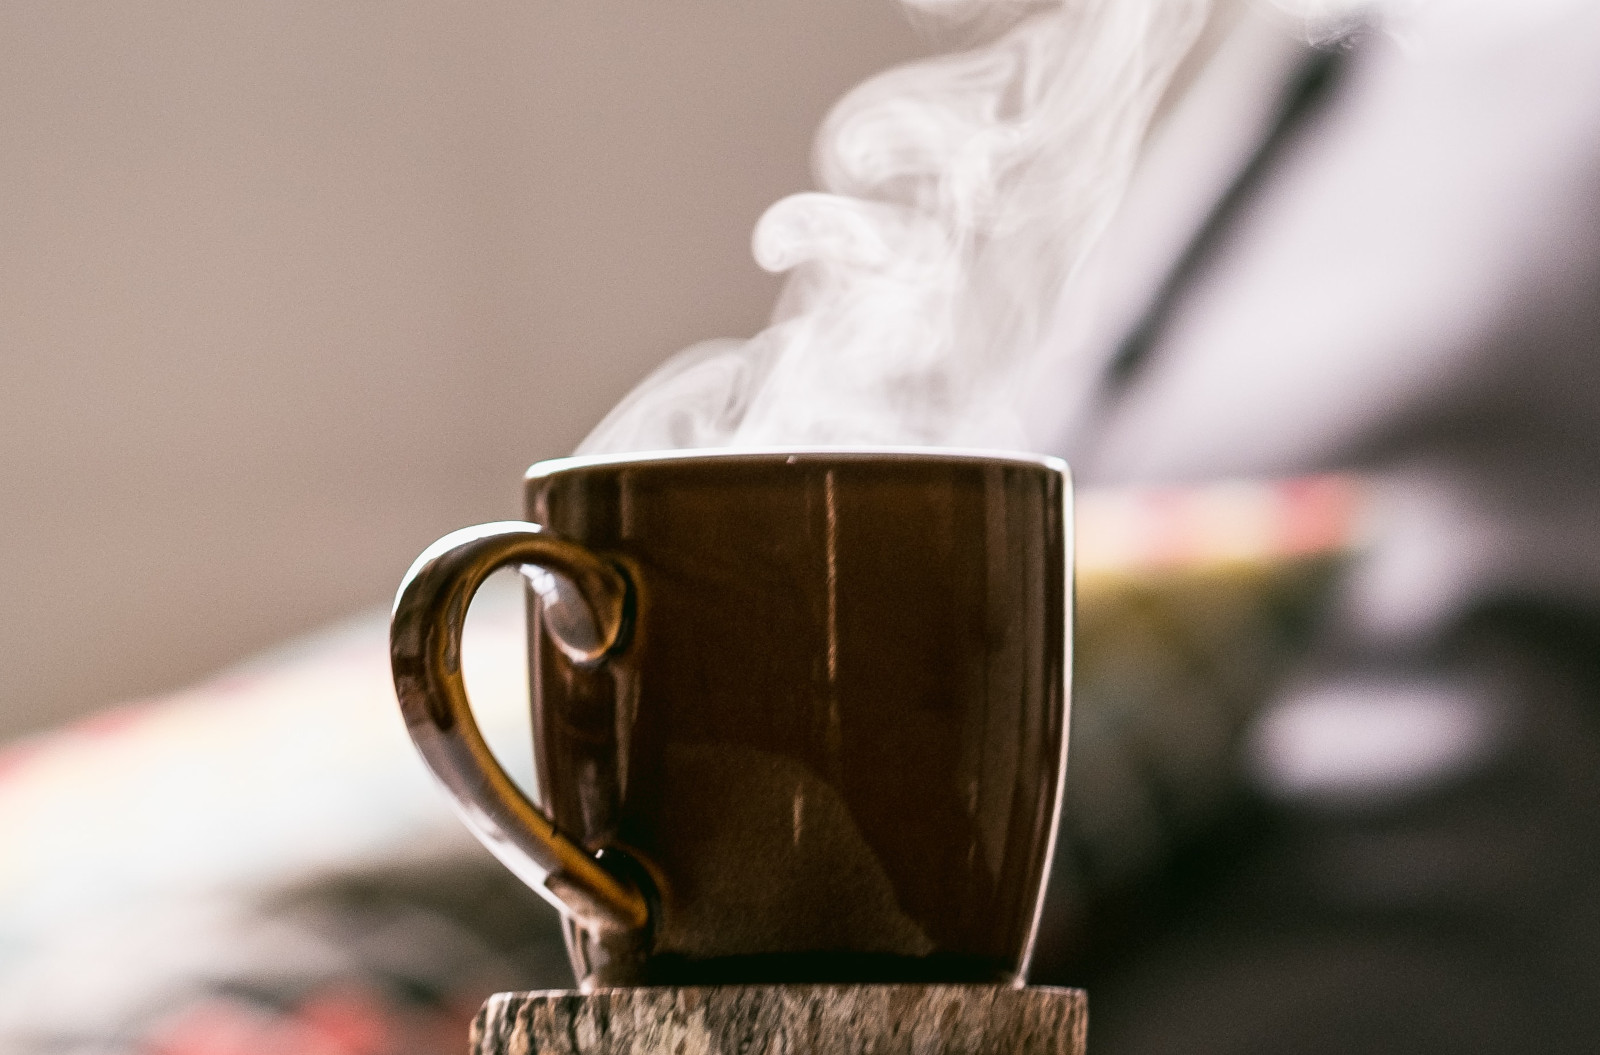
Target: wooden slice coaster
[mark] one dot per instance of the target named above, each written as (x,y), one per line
(786,1020)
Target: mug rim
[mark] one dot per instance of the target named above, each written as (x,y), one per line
(551,466)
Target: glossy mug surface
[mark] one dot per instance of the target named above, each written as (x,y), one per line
(798,715)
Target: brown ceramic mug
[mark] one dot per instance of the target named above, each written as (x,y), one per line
(799,715)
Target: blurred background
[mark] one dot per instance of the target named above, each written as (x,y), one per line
(287,290)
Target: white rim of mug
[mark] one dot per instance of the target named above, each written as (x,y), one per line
(585,461)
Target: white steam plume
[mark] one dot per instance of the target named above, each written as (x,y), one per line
(961,193)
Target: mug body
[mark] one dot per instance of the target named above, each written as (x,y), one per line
(830,743)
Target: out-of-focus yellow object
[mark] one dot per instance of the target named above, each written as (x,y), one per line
(1192,603)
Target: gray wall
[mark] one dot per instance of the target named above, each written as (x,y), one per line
(289,288)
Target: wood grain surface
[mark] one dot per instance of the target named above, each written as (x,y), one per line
(786,1020)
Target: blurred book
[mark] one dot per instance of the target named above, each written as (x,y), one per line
(261,863)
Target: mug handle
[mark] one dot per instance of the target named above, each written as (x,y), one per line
(425,654)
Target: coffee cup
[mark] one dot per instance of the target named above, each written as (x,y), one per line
(799,715)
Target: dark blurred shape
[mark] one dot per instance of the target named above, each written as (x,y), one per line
(1407,287)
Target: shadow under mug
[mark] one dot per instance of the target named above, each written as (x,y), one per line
(799,715)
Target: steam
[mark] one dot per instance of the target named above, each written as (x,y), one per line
(960,195)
